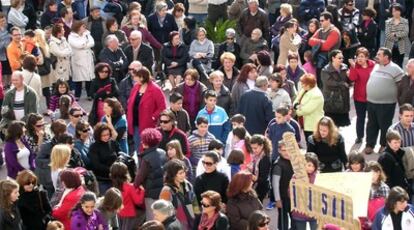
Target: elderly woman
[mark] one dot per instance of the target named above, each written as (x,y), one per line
(113,28)
(201,53)
(228,68)
(174,56)
(230,46)
(16,17)
(251,46)
(396,35)
(81,41)
(309,104)
(285,15)
(223,93)
(161,23)
(290,41)
(163,211)
(61,49)
(212,218)
(336,89)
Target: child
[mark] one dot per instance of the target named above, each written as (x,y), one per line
(356,162)
(240,141)
(237,120)
(174,151)
(276,130)
(222,165)
(176,106)
(276,93)
(300,220)
(308,66)
(86,216)
(199,140)
(29,43)
(218,120)
(110,205)
(282,172)
(235,160)
(61,88)
(55,225)
(65,102)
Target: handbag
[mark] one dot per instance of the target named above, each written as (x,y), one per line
(45,68)
(47,216)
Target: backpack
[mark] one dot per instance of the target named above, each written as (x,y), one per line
(129,162)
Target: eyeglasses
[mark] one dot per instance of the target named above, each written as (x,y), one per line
(77,115)
(205,205)
(85,130)
(165,121)
(207,163)
(230,38)
(264,224)
(41,125)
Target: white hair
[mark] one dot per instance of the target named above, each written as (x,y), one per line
(164,207)
(110,38)
(135,33)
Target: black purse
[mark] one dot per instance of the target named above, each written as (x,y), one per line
(45,68)
(47,216)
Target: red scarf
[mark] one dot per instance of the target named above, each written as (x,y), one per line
(207,223)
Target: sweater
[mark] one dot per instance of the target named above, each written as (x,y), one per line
(360,76)
(198,145)
(332,158)
(239,209)
(131,198)
(215,181)
(275,133)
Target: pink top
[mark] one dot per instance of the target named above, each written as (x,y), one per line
(309,68)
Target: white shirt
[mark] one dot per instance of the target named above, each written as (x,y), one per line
(216,2)
(23,157)
(250,83)
(18,106)
(55,175)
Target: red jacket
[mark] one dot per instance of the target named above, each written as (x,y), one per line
(360,76)
(326,45)
(62,213)
(131,197)
(151,105)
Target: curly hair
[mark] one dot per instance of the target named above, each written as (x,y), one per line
(151,137)
(263,141)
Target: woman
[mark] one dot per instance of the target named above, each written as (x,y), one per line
(201,53)
(83,141)
(30,77)
(277,95)
(290,41)
(161,23)
(264,63)
(396,213)
(164,212)
(212,218)
(229,46)
(396,35)
(36,134)
(113,28)
(259,220)
(285,16)
(349,45)
(150,170)
(102,87)
(134,24)
(359,72)
(145,104)
(313,26)
(368,30)
(180,192)
(134,8)
(109,207)
(188,32)
(329,146)
(260,164)
(5,39)
(86,216)
(243,200)
(81,41)
(132,198)
(61,49)
(59,160)
(309,104)
(293,69)
(229,69)
(336,89)
(16,17)
(33,203)
(19,156)
(116,120)
(10,218)
(245,81)
(178,13)
(174,56)
(102,154)
(192,90)
(74,190)
(223,93)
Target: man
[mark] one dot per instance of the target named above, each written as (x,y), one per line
(30,12)
(128,83)
(15,49)
(75,115)
(114,56)
(257,118)
(250,46)
(138,51)
(217,9)
(18,102)
(97,26)
(253,17)
(405,126)
(406,86)
(381,97)
(50,15)
(66,19)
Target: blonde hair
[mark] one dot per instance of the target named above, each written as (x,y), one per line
(59,157)
(174,144)
(228,56)
(215,74)
(333,134)
(287,8)
(41,41)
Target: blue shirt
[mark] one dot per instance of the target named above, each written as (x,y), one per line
(275,133)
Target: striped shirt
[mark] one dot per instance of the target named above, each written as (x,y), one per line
(407,135)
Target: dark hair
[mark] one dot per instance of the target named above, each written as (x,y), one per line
(214,197)
(239,132)
(236,157)
(112,200)
(257,218)
(119,174)
(215,144)
(56,28)
(15,130)
(170,114)
(386,51)
(172,167)
(55,225)
(65,138)
(316,22)
(213,155)
(392,135)
(57,84)
(58,127)
(376,167)
(14,28)
(86,197)
(406,107)
(277,78)
(262,140)
(29,63)
(173,34)
(201,120)
(99,129)
(152,225)
(32,119)
(110,22)
(6,189)
(100,66)
(143,73)
(239,183)
(77,25)
(151,137)
(210,93)
(362,50)
(29,33)
(190,22)
(356,158)
(327,15)
(396,194)
(244,72)
(80,126)
(283,110)
(398,7)
(174,97)
(65,101)
(264,58)
(71,178)
(63,12)
(312,158)
(117,110)
(238,118)
(72,110)
(178,7)
(193,73)
(370,12)
(333,54)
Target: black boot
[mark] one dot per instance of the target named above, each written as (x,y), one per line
(200,69)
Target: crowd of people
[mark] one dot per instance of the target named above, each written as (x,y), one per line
(184,133)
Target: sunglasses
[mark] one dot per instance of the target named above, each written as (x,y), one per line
(165,121)
(31,183)
(85,130)
(78,115)
(264,224)
(104,71)
(40,126)
(205,205)
(207,163)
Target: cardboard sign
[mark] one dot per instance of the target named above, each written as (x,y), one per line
(297,159)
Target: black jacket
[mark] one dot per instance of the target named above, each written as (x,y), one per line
(366,35)
(181,56)
(229,82)
(98,94)
(223,48)
(33,207)
(162,34)
(114,60)
(262,184)
(48,18)
(102,156)
(215,181)
(30,12)
(125,87)
(9,223)
(171,223)
(222,222)
(145,55)
(331,158)
(154,158)
(392,164)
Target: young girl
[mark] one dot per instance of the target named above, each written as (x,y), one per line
(85,216)
(240,141)
(174,151)
(131,197)
(356,162)
(109,206)
(235,160)
(61,88)
(308,66)
(10,218)
(312,165)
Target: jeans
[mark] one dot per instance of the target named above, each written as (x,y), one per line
(78,88)
(284,214)
(301,224)
(361,111)
(137,139)
(379,119)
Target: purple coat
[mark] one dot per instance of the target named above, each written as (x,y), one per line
(80,221)
(10,152)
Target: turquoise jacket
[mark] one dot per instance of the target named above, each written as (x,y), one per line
(218,122)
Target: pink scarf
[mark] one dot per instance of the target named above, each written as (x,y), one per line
(207,223)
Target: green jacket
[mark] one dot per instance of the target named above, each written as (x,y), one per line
(311,107)
(30,105)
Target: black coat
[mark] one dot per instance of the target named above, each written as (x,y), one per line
(223,48)
(102,156)
(30,12)
(9,223)
(392,164)
(96,85)
(181,56)
(229,82)
(33,207)
(162,34)
(335,89)
(366,35)
(113,59)
(171,223)
(145,55)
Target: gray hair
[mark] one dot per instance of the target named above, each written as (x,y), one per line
(135,33)
(160,5)
(164,207)
(17,73)
(410,61)
(261,81)
(111,38)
